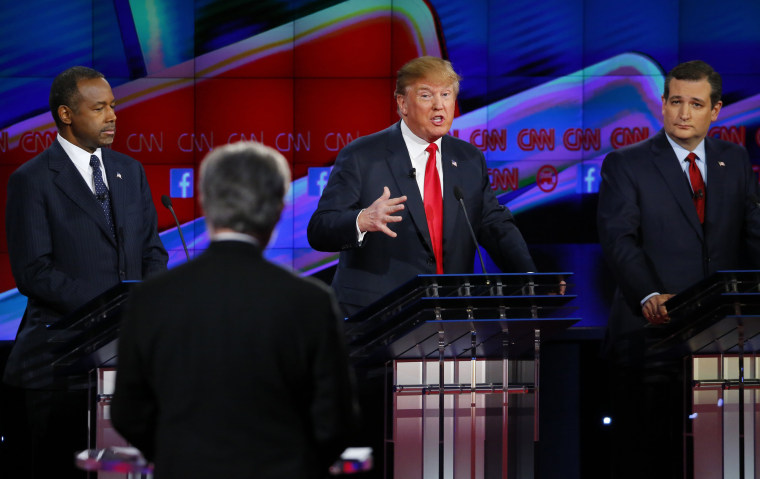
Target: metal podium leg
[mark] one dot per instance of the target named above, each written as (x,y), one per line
(473,399)
(733,287)
(740,329)
(536,388)
(441,390)
(505,403)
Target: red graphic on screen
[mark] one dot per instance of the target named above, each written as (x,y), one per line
(547,178)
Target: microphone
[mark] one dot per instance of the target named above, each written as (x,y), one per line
(460,197)
(101,197)
(167,202)
(699,194)
(413,173)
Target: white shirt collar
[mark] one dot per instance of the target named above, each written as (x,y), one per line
(81,160)
(682,153)
(235,236)
(418,156)
(414,143)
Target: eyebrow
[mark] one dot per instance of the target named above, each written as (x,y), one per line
(431,88)
(679,97)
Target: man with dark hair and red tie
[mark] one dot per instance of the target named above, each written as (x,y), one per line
(79,220)
(389,205)
(673,209)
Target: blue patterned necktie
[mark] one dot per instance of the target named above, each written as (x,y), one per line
(101,192)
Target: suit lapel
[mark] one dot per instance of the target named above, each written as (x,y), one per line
(400,165)
(665,160)
(716,186)
(451,208)
(116,188)
(71,184)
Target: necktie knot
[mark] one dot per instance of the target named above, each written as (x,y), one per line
(432,148)
(691,157)
(94,161)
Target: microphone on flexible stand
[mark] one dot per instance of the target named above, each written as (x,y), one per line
(413,173)
(460,197)
(167,202)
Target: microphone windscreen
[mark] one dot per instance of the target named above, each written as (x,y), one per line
(458,193)
(166,201)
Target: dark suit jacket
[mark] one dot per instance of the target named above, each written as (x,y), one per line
(232,367)
(62,253)
(649,230)
(368,271)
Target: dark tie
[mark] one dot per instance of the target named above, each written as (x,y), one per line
(697,186)
(101,192)
(434,207)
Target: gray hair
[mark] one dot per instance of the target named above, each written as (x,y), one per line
(243,186)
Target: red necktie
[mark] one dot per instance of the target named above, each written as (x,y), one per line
(434,207)
(697,186)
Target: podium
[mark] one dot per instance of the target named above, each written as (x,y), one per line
(716,324)
(461,349)
(87,338)
(84,346)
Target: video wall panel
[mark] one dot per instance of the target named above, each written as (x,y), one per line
(549,88)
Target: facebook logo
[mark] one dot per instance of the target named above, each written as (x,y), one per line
(589,179)
(182,181)
(318,180)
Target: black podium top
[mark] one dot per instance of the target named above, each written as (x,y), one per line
(87,338)
(405,323)
(713,316)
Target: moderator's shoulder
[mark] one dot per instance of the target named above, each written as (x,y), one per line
(310,290)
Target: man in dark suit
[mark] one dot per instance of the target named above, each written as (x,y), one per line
(379,208)
(73,232)
(230,366)
(665,222)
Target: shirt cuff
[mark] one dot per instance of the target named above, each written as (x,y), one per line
(359,233)
(643,301)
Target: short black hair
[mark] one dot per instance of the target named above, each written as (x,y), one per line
(65,89)
(696,70)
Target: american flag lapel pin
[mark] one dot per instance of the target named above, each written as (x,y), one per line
(118,175)
(720,163)
(453,163)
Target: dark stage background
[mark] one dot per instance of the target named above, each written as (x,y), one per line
(548,89)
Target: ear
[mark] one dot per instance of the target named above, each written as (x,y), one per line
(64,113)
(401,103)
(715,110)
